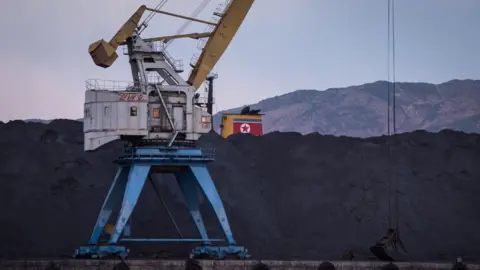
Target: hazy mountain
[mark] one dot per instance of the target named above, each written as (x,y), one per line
(362,110)
(46,121)
(37,121)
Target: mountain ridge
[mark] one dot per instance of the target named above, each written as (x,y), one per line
(361,110)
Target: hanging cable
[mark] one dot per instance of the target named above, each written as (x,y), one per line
(397,214)
(392,182)
(393,67)
(152,181)
(150,16)
(194,14)
(388,117)
(392,237)
(388,68)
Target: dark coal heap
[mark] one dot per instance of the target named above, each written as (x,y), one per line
(288,196)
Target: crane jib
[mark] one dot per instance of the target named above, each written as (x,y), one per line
(221,37)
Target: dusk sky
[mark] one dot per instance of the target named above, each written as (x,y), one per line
(282,46)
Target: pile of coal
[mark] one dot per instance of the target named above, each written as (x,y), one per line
(288,196)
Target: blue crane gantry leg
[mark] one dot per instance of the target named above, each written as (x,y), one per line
(190,168)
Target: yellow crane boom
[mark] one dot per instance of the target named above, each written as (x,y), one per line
(219,40)
(104,53)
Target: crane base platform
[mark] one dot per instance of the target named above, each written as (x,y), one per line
(220,252)
(136,166)
(99,252)
(202,252)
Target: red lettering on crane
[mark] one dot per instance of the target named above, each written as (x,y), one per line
(130,97)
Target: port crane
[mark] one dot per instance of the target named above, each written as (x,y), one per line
(161,118)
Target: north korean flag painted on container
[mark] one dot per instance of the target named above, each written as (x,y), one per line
(252,126)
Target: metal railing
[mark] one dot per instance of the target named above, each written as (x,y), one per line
(194,60)
(203,100)
(209,153)
(124,49)
(159,46)
(156,46)
(110,85)
(154,78)
(171,155)
(221,8)
(138,47)
(219,11)
(177,65)
(209,28)
(201,43)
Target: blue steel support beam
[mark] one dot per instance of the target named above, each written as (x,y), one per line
(188,185)
(136,179)
(130,180)
(205,181)
(113,197)
(127,230)
(168,240)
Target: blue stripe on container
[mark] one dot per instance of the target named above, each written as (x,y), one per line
(246,120)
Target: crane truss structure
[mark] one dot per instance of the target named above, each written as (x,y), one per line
(161,119)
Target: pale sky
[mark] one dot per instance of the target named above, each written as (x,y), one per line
(282,46)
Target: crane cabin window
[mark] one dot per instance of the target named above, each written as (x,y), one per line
(156,113)
(133,111)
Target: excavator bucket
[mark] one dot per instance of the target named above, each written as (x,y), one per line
(103,53)
(391,239)
(381,253)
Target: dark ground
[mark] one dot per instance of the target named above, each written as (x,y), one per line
(287,195)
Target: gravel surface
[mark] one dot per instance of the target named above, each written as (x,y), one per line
(287,196)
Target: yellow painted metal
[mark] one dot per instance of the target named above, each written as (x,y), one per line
(227,122)
(180,16)
(219,41)
(109,229)
(167,38)
(103,53)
